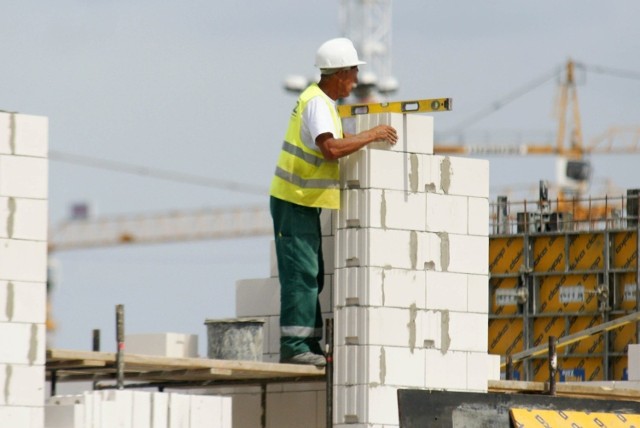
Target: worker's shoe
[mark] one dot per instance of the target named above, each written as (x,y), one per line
(306,358)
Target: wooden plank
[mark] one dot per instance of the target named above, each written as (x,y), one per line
(565,389)
(70,364)
(149,367)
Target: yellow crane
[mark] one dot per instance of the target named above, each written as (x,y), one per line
(574,168)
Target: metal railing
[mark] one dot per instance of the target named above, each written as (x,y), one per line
(562,215)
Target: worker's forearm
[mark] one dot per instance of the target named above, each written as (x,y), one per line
(340,147)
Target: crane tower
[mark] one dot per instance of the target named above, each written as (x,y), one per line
(368,24)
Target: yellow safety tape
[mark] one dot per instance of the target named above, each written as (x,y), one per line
(414,106)
(528,418)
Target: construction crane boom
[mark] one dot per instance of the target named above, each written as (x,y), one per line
(175,226)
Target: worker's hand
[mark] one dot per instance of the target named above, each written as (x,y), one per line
(385,133)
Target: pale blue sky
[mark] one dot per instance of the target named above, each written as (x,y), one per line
(195,86)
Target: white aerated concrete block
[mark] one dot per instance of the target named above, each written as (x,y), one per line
(374,286)
(258,297)
(366,406)
(291,408)
(447,213)
(457,176)
(22,134)
(328,221)
(378,326)
(401,367)
(355,365)
(446,291)
(415,132)
(23,218)
(403,288)
(27,343)
(24,302)
(23,260)
(358,286)
(448,331)
(381,169)
(328,254)
(140,409)
(22,176)
(378,247)
(379,365)
(446,371)
(22,384)
(469,254)
(209,411)
(160,410)
(435,251)
(478,293)
(179,410)
(481,367)
(435,335)
(23,417)
(350,404)
(175,345)
(64,416)
(464,338)
(326,295)
(633,364)
(455,253)
(478,215)
(272,335)
(382,406)
(377,208)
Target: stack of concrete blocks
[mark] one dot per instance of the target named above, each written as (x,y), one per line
(23,268)
(411,274)
(173,345)
(138,409)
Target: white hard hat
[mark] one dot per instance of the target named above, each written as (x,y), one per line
(337,53)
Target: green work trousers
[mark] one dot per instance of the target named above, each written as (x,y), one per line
(301,271)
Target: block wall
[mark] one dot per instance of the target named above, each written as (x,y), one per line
(411,273)
(407,258)
(23,268)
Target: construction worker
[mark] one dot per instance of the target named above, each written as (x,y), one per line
(306,180)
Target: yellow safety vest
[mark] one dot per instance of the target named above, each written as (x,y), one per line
(303,176)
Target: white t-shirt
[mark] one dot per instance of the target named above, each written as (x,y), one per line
(317,120)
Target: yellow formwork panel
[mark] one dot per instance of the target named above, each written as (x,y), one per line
(626,290)
(505,336)
(544,327)
(586,251)
(622,337)
(505,254)
(590,367)
(619,368)
(498,305)
(559,293)
(528,418)
(624,249)
(548,253)
(588,345)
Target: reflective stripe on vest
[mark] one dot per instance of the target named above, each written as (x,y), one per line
(299,331)
(302,175)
